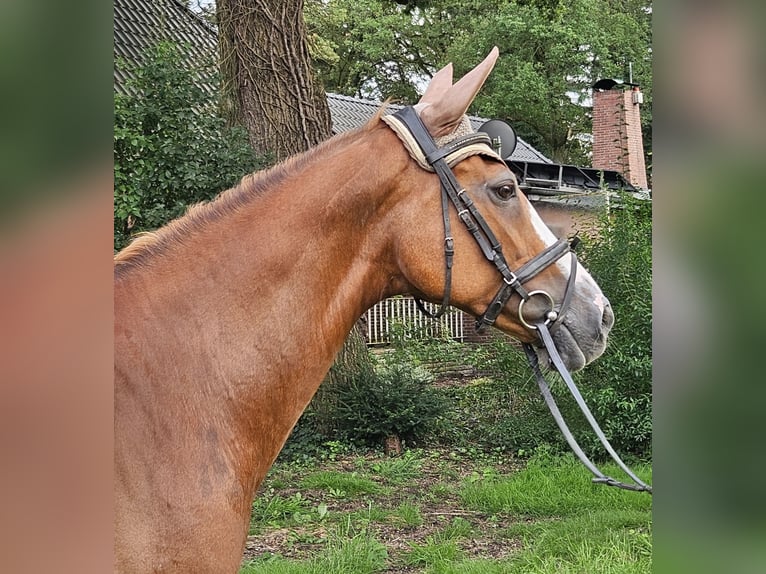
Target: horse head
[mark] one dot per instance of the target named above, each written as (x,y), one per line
(486,250)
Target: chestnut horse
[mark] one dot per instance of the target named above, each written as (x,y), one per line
(228,319)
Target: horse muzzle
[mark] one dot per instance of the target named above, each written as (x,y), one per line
(581,333)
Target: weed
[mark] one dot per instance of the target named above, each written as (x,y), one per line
(345,552)
(275,510)
(399,470)
(441,490)
(408,514)
(458,528)
(440,548)
(433,551)
(370,514)
(340,484)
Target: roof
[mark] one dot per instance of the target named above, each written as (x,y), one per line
(349,113)
(140,23)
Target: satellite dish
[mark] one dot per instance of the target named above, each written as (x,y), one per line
(500,132)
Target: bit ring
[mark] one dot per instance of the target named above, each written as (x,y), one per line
(550,316)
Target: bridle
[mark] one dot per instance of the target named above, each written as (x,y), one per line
(418,141)
(452,191)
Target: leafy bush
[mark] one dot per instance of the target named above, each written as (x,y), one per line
(171,148)
(364,403)
(396,399)
(618,386)
(501,410)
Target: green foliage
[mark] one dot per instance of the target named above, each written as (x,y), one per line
(500,411)
(440,548)
(408,514)
(340,484)
(365,405)
(346,552)
(277,510)
(399,470)
(551,54)
(545,517)
(171,149)
(553,486)
(618,386)
(396,399)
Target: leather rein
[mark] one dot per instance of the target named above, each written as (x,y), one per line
(513,281)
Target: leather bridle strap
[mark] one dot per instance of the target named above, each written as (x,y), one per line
(547,257)
(449,255)
(472,219)
(599,477)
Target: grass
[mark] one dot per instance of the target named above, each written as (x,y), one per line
(408,514)
(440,548)
(398,471)
(436,512)
(552,486)
(344,553)
(341,485)
(277,510)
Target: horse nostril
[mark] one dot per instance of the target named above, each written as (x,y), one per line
(607,317)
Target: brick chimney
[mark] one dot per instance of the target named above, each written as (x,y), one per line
(617,141)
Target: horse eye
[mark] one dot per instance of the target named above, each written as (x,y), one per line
(506,191)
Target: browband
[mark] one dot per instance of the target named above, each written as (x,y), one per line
(454,148)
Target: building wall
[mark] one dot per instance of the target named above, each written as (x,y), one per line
(566,221)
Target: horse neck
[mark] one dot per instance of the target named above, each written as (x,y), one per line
(254,302)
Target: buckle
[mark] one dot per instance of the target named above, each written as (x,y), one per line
(513,279)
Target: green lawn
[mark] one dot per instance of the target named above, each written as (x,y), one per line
(441,511)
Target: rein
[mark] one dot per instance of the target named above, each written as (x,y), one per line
(421,146)
(599,477)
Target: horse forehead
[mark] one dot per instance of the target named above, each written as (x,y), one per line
(478,168)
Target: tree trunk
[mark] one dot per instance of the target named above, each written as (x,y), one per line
(267,80)
(270,89)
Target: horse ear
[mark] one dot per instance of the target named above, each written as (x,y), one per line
(442,108)
(440,83)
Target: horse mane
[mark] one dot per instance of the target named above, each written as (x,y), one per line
(147,245)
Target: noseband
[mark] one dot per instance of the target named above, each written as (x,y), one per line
(408,126)
(513,282)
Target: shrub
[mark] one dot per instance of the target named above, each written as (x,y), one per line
(396,399)
(618,386)
(171,148)
(501,410)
